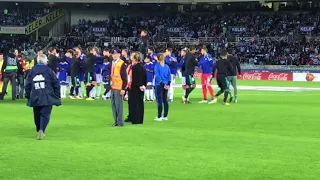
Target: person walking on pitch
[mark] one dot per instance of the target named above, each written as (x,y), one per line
(224,68)
(206,63)
(42,91)
(233,76)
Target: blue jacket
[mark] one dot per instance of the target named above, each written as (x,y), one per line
(173,65)
(162,74)
(206,63)
(42,87)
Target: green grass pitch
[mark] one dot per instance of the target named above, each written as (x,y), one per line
(267,135)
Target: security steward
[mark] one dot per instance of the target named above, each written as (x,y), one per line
(118,86)
(9,71)
(42,91)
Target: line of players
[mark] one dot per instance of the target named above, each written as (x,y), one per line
(94,69)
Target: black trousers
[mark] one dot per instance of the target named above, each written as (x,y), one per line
(136,106)
(20,86)
(9,77)
(41,115)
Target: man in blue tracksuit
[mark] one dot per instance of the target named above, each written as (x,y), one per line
(42,91)
(171,61)
(9,70)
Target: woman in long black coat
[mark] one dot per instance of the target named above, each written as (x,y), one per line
(136,92)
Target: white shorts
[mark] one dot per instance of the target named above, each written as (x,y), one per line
(68,79)
(98,78)
(183,80)
(172,79)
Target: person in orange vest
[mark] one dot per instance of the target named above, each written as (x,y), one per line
(119,79)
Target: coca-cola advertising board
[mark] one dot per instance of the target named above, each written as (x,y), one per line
(310,77)
(268,76)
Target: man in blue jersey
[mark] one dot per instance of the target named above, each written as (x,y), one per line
(171,61)
(153,55)
(149,66)
(78,50)
(206,63)
(97,71)
(106,71)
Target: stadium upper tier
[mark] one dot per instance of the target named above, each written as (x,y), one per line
(133,1)
(20,16)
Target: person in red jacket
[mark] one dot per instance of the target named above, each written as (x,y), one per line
(20,75)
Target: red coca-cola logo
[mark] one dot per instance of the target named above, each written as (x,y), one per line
(273,76)
(251,76)
(278,77)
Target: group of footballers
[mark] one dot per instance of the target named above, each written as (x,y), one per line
(93,69)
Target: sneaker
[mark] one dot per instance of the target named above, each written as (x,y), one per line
(165,118)
(98,97)
(40,135)
(170,100)
(203,101)
(235,100)
(226,104)
(78,97)
(158,119)
(213,101)
(230,100)
(72,97)
(90,99)
(104,97)
(183,99)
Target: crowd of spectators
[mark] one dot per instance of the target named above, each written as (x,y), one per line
(21,16)
(263,37)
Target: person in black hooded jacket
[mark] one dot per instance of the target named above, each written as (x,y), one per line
(42,91)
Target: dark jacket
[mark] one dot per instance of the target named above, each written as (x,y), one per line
(88,62)
(42,88)
(143,43)
(75,67)
(52,62)
(4,66)
(189,64)
(235,65)
(139,76)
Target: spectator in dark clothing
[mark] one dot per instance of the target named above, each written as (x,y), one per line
(52,59)
(143,43)
(42,92)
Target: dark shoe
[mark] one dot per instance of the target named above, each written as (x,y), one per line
(127,120)
(230,100)
(114,125)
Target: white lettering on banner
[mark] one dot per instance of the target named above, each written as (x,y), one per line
(175,30)
(237,29)
(12,30)
(306,28)
(278,77)
(254,76)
